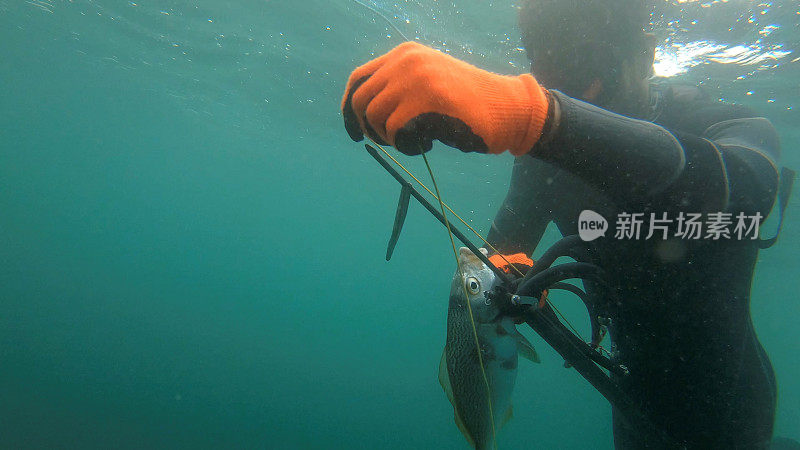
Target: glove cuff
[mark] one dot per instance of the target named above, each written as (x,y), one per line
(538,115)
(516,112)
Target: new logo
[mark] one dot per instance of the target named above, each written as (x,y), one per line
(591,225)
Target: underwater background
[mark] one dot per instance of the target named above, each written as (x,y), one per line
(192,249)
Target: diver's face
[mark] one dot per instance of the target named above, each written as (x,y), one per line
(587,87)
(631,96)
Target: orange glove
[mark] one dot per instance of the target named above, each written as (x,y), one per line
(521,263)
(504,262)
(415,94)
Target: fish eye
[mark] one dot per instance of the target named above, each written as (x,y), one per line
(473,285)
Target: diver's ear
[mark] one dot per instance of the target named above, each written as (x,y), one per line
(484,251)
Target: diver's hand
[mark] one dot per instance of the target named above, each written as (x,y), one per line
(415,94)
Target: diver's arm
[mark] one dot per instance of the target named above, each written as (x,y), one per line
(525,213)
(635,161)
(414,95)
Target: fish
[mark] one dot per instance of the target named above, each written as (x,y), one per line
(460,372)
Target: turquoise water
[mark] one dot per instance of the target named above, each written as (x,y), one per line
(192,250)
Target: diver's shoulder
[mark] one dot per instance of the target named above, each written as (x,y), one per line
(687,107)
(671,93)
(683,97)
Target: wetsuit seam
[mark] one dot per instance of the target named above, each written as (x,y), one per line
(722,167)
(676,173)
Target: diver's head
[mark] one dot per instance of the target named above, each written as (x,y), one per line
(593,50)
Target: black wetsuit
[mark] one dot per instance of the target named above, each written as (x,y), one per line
(682,322)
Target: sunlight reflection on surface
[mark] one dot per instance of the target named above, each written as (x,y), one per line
(678,59)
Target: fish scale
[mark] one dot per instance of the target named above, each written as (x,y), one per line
(478,401)
(469,391)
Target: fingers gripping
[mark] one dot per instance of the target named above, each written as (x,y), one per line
(414,95)
(351,122)
(412,130)
(366,105)
(379,110)
(353,116)
(394,99)
(416,136)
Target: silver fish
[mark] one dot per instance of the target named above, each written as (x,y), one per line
(460,371)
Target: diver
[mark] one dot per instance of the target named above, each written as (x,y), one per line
(592,130)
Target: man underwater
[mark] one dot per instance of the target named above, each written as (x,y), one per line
(590,132)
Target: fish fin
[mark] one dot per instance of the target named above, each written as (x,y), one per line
(399,219)
(526,349)
(444,381)
(507,416)
(463,428)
